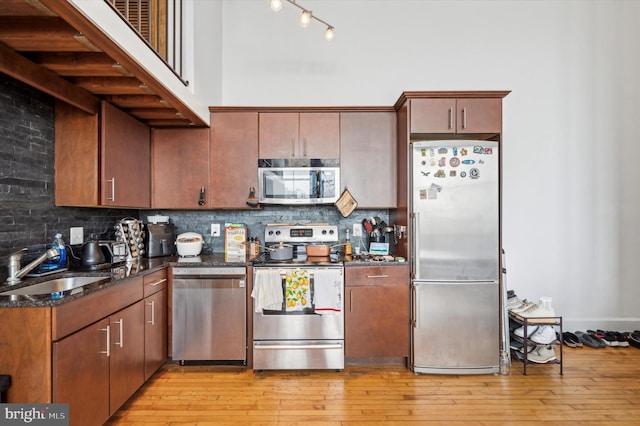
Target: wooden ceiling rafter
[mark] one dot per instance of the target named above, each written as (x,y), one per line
(50,45)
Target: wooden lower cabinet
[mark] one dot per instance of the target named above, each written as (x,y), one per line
(126,363)
(377,312)
(92,353)
(95,380)
(155,322)
(81,378)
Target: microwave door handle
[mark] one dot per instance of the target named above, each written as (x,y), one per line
(318,178)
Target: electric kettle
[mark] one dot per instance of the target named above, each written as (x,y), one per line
(92,254)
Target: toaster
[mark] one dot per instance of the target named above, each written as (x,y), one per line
(114,251)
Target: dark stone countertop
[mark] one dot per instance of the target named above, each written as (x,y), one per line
(119,273)
(116,275)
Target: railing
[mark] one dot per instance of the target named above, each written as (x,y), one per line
(159,24)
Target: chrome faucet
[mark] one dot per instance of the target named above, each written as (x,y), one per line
(15,273)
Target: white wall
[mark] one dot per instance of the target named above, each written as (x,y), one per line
(570,148)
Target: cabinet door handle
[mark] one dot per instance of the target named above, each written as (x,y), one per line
(108,330)
(160,281)
(464,118)
(121,326)
(304,147)
(378,276)
(350,300)
(113,189)
(293,147)
(201,200)
(153,312)
(450,118)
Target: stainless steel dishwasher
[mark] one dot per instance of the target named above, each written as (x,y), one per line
(209,320)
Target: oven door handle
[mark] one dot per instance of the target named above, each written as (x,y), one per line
(305,346)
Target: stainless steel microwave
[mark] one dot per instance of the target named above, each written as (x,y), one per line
(298,182)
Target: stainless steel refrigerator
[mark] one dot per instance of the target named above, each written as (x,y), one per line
(455,210)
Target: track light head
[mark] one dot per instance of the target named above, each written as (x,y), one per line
(276,5)
(328,34)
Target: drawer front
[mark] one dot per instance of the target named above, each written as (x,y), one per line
(72,316)
(155,282)
(376,275)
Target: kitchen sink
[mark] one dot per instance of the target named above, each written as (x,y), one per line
(56,285)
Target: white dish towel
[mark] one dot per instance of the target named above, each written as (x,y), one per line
(267,290)
(327,287)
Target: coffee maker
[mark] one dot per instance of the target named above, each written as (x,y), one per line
(160,239)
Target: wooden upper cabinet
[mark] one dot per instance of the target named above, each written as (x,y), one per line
(126,159)
(451,115)
(101,160)
(320,134)
(304,135)
(368,157)
(180,168)
(77,153)
(234,158)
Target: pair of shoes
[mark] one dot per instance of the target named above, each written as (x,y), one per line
(530,330)
(622,341)
(598,337)
(589,340)
(571,340)
(544,335)
(542,354)
(537,311)
(514,303)
(634,338)
(518,345)
(518,307)
(613,338)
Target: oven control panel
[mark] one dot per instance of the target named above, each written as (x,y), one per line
(301,233)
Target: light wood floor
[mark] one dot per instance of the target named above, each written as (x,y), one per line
(599,387)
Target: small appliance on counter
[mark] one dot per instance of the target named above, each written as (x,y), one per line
(97,255)
(131,232)
(189,244)
(160,239)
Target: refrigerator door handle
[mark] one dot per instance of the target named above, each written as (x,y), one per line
(415,219)
(458,281)
(414,303)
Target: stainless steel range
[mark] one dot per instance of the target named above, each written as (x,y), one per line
(298,318)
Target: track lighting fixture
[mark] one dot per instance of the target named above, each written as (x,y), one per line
(305,17)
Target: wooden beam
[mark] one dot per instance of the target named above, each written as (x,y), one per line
(70,14)
(18,67)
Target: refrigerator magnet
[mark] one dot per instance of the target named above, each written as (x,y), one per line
(474,173)
(454,162)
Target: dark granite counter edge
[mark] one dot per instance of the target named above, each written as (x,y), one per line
(116,275)
(121,272)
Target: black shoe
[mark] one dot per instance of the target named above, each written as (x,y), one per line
(597,337)
(589,340)
(571,340)
(634,339)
